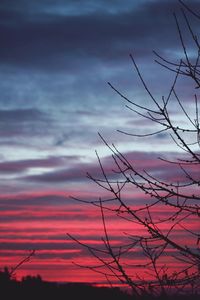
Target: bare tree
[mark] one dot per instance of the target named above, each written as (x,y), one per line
(171,263)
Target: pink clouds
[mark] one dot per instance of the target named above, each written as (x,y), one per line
(41,218)
(54,251)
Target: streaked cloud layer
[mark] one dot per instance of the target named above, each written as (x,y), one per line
(55,60)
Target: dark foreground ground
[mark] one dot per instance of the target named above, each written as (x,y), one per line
(35,288)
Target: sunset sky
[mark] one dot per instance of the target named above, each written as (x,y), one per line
(56,57)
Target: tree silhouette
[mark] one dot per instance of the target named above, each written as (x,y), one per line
(171,262)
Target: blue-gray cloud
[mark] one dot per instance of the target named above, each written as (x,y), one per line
(69,42)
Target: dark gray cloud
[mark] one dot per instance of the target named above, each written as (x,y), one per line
(65,41)
(23,122)
(35,245)
(23,165)
(70,7)
(21,115)
(25,201)
(77,173)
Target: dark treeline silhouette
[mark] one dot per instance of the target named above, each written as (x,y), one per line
(33,287)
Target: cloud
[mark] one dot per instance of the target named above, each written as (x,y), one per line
(34,245)
(71,7)
(23,165)
(148,161)
(64,42)
(21,115)
(22,122)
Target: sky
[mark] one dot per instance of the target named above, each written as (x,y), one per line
(56,58)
